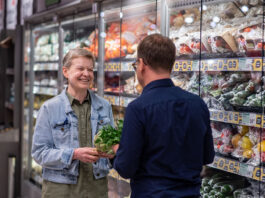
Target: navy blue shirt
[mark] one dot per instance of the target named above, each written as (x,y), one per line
(166,139)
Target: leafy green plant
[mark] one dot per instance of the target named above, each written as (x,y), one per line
(107,137)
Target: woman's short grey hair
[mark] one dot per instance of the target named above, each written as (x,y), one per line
(75,53)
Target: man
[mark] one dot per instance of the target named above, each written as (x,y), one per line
(166,137)
(65,127)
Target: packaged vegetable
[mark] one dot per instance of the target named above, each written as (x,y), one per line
(107,137)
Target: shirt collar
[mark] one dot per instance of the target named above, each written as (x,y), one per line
(72,99)
(167,82)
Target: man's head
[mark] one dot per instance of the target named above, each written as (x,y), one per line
(156,52)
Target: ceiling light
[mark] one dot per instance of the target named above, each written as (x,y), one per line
(216,19)
(244,8)
(189,19)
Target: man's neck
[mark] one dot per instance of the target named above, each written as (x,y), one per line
(152,78)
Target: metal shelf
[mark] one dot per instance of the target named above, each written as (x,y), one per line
(45,91)
(221,64)
(242,118)
(239,168)
(118,100)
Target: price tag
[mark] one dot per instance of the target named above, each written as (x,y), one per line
(195,65)
(252,119)
(257,64)
(243,66)
(231,64)
(245,118)
(182,65)
(246,170)
(220,116)
(258,120)
(126,66)
(236,117)
(259,174)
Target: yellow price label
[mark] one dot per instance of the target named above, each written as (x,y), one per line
(258,120)
(259,174)
(257,64)
(182,66)
(220,65)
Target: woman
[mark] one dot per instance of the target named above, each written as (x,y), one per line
(65,127)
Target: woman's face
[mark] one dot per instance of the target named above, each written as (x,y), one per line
(80,74)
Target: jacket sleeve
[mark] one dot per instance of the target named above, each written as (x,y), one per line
(111,116)
(208,141)
(43,151)
(128,156)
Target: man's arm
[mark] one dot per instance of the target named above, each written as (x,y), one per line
(128,155)
(208,141)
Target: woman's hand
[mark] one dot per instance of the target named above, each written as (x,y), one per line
(105,155)
(86,154)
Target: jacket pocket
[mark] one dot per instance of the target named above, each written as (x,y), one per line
(103,121)
(61,134)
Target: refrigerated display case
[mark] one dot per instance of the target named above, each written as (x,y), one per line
(41,63)
(220,58)
(45,45)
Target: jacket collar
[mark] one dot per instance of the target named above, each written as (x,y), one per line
(167,82)
(95,101)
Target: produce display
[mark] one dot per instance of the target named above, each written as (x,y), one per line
(188,81)
(241,91)
(235,32)
(227,31)
(108,136)
(244,143)
(118,42)
(46,47)
(222,185)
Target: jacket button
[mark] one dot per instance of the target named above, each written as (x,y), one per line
(97,174)
(62,129)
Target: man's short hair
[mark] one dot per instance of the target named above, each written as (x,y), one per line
(157,51)
(75,53)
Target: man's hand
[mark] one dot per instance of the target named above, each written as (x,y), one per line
(115,148)
(86,154)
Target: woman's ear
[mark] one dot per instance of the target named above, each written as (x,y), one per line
(65,71)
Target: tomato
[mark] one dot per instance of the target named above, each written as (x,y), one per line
(218,43)
(248,29)
(259,45)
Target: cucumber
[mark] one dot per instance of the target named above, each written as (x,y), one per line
(212,192)
(219,195)
(205,195)
(229,188)
(207,189)
(205,182)
(218,185)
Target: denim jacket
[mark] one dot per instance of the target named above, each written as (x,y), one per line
(56,136)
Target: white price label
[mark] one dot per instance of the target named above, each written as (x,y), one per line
(246,170)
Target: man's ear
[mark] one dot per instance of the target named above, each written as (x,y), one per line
(65,71)
(141,64)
